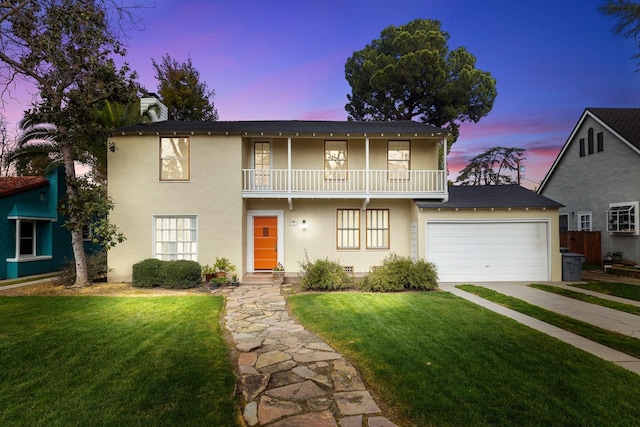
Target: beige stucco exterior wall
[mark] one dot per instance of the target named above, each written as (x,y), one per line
(319,239)
(549,215)
(214,194)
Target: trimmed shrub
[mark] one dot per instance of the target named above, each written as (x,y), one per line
(401,273)
(148,273)
(323,275)
(96,270)
(181,274)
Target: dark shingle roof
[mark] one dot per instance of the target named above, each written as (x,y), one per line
(625,121)
(491,196)
(18,184)
(286,127)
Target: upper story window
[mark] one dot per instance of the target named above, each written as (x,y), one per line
(582,151)
(600,142)
(623,218)
(335,160)
(584,221)
(348,229)
(262,164)
(398,159)
(175,158)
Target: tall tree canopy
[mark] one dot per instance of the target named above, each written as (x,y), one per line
(409,73)
(179,86)
(66,48)
(627,15)
(496,166)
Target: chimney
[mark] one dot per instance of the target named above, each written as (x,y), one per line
(152,109)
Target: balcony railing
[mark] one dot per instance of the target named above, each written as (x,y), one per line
(354,183)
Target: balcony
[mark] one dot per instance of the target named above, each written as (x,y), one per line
(385,184)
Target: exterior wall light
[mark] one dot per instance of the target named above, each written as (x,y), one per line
(304,224)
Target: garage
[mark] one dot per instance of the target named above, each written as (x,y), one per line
(489,251)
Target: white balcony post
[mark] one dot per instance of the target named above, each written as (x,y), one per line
(444,163)
(289,164)
(366,166)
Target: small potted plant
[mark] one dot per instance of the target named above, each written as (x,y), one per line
(617,257)
(222,266)
(278,274)
(208,273)
(234,280)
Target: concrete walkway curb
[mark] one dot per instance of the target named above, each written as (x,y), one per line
(607,318)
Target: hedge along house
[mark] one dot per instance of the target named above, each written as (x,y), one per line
(268,192)
(33,238)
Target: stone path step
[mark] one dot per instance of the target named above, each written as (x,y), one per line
(289,377)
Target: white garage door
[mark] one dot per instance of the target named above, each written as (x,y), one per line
(466,251)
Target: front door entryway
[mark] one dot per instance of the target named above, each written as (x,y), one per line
(265,242)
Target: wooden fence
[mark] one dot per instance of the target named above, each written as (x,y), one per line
(586,243)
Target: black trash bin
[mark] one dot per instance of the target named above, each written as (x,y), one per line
(572,267)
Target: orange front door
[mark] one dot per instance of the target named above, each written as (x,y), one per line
(265,242)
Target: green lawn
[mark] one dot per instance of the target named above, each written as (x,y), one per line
(439,360)
(620,342)
(114,361)
(622,290)
(627,308)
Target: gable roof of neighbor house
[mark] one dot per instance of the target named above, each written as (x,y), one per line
(490,196)
(624,123)
(286,127)
(18,184)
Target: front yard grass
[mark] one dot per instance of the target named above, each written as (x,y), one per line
(439,360)
(620,342)
(114,361)
(627,308)
(622,290)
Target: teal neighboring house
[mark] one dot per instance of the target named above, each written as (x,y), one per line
(33,240)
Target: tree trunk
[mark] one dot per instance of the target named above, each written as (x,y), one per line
(77,243)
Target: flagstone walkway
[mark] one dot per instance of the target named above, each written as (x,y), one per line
(288,376)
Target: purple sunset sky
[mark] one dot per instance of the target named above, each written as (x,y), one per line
(284,59)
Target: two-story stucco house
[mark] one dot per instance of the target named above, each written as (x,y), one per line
(596,176)
(268,192)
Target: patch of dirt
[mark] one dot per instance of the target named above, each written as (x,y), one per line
(102,289)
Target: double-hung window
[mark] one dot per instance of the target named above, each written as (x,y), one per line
(27,238)
(584,221)
(348,229)
(175,237)
(335,160)
(175,158)
(377,228)
(398,160)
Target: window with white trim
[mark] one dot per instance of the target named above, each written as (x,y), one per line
(175,158)
(623,217)
(27,238)
(348,229)
(175,237)
(584,221)
(377,228)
